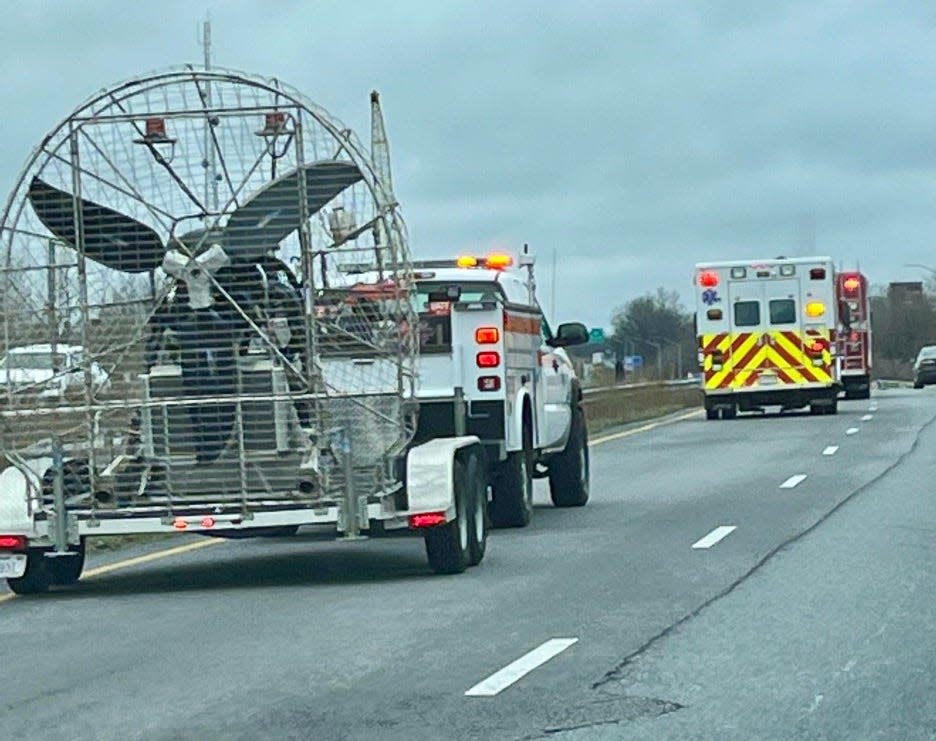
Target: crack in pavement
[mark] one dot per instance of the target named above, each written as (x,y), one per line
(617,671)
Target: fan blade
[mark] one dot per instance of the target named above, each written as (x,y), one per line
(110,237)
(272,213)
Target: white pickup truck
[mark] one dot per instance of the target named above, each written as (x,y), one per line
(490,363)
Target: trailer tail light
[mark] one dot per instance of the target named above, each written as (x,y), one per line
(427,519)
(208,522)
(488,359)
(13,542)
(487,335)
(489,383)
(179,524)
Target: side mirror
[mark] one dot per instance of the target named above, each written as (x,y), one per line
(570,333)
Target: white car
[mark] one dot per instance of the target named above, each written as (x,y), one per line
(37,369)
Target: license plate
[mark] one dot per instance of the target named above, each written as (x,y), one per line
(12,566)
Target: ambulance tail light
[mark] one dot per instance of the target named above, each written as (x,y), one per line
(487,335)
(488,359)
(817,273)
(13,543)
(489,383)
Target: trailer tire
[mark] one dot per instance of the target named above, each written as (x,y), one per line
(65,570)
(512,503)
(711,414)
(476,472)
(38,577)
(447,546)
(569,472)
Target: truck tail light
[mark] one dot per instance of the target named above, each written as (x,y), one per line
(13,543)
(489,383)
(487,335)
(816,347)
(489,359)
(427,519)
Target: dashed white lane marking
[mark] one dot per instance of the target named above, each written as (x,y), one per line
(713,537)
(831,450)
(851,431)
(518,669)
(793,481)
(872,408)
(867,418)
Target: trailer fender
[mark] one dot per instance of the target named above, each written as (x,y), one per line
(15,486)
(430,473)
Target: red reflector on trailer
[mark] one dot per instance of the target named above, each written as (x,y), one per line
(13,542)
(488,359)
(179,524)
(489,383)
(487,335)
(208,522)
(427,519)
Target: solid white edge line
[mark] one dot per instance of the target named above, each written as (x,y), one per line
(795,480)
(867,418)
(518,669)
(851,431)
(831,450)
(713,537)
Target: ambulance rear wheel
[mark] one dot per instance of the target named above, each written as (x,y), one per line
(729,412)
(568,471)
(512,503)
(448,545)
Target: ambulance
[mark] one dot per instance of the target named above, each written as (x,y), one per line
(766,335)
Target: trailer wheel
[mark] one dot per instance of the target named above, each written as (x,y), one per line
(711,414)
(512,505)
(478,519)
(569,471)
(38,577)
(65,570)
(447,546)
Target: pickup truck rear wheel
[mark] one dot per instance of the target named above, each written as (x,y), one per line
(569,471)
(512,503)
(447,546)
(38,577)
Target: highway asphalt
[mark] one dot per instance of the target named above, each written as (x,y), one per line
(806,609)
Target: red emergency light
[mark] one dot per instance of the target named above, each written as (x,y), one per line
(708,279)
(851,285)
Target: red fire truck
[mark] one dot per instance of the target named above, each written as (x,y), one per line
(853,334)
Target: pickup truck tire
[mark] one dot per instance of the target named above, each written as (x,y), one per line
(65,570)
(448,545)
(38,577)
(476,472)
(512,502)
(569,471)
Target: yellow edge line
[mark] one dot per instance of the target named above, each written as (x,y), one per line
(189,547)
(126,564)
(643,428)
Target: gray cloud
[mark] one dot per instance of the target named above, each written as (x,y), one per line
(631,139)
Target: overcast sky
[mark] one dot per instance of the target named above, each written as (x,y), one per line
(632,139)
